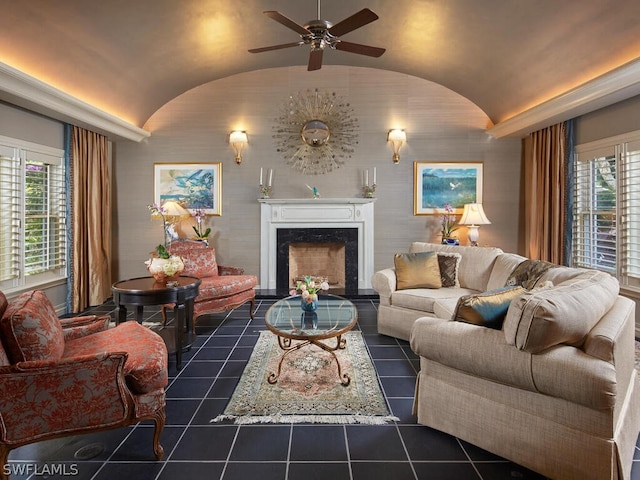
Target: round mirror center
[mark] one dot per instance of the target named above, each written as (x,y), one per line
(315,133)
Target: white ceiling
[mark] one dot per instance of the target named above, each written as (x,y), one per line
(523,62)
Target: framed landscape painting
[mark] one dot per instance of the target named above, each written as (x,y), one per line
(195,185)
(438,184)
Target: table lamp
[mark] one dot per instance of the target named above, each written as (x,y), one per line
(473,216)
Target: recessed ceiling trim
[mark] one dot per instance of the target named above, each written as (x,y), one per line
(612,87)
(28,92)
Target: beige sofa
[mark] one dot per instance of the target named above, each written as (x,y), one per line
(554,389)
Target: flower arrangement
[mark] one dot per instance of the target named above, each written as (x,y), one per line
(199,213)
(163,264)
(308,286)
(158,210)
(448,222)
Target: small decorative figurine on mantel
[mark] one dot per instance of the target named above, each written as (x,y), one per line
(315,191)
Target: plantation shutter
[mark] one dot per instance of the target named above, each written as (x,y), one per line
(44,217)
(629,214)
(595,210)
(10,199)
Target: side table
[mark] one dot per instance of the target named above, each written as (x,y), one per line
(145,291)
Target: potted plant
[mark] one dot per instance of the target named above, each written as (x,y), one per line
(162,265)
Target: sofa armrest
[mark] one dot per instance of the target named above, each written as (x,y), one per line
(223,270)
(45,398)
(384,282)
(78,327)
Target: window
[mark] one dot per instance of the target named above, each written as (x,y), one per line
(33,215)
(606,208)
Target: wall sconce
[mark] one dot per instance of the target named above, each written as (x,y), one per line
(473,216)
(238,139)
(397,138)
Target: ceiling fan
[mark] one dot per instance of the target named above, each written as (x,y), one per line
(320,34)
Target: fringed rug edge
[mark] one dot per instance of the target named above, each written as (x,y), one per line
(336,419)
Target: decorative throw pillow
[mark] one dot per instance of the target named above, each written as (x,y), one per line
(417,270)
(488,309)
(528,273)
(449,264)
(31,329)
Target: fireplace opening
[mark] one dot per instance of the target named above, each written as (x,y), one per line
(323,261)
(317,252)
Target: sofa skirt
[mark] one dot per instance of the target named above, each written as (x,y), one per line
(551,436)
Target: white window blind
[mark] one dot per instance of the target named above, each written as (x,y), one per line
(629,213)
(606,208)
(10,199)
(595,213)
(32,215)
(44,213)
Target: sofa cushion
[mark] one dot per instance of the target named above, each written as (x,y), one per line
(146,366)
(542,318)
(224,286)
(417,270)
(504,265)
(449,264)
(475,266)
(425,299)
(198,258)
(31,330)
(488,308)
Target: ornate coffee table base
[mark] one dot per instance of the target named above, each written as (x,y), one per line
(287,346)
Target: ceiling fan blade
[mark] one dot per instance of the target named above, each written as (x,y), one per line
(315,60)
(275,47)
(356,20)
(360,49)
(287,22)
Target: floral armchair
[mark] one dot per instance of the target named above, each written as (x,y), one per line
(222,288)
(62,377)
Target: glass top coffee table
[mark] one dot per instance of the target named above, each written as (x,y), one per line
(333,317)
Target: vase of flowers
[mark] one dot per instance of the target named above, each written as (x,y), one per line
(448,226)
(162,265)
(308,288)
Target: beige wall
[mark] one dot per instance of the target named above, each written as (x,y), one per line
(440,125)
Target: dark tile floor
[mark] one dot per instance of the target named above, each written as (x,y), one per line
(196,449)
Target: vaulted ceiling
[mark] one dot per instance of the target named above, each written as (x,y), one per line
(524,63)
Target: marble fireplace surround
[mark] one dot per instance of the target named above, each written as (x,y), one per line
(308,213)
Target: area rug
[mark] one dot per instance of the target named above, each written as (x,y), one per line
(308,389)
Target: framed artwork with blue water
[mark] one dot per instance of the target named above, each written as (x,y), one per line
(437,184)
(195,185)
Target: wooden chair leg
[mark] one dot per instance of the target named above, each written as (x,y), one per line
(252,308)
(159,420)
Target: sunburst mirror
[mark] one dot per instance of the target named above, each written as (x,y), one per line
(316,132)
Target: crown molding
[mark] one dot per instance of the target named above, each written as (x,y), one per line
(28,92)
(612,87)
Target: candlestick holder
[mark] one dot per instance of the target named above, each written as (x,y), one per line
(265,191)
(368,191)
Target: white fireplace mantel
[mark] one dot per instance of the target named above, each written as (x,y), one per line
(278,213)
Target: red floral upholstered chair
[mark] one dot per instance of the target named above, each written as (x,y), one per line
(62,377)
(222,288)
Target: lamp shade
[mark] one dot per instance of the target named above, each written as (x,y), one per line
(397,135)
(174,209)
(473,214)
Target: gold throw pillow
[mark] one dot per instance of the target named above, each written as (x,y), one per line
(417,270)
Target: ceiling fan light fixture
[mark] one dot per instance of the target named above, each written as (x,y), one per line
(321,33)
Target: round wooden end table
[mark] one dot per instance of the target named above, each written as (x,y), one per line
(145,291)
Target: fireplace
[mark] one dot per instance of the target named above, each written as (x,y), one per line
(329,224)
(329,252)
